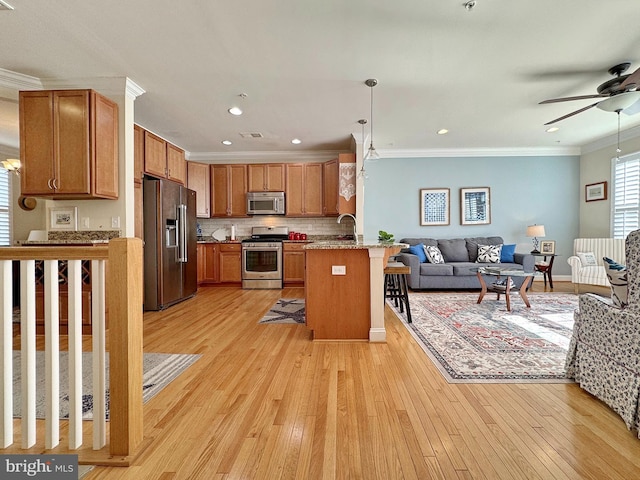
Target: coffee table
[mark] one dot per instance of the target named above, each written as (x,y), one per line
(506,274)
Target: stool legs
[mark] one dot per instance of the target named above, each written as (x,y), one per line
(396,289)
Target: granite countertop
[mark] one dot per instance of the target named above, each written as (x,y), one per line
(34,243)
(352,245)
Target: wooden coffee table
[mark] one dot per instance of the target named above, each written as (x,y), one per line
(506,274)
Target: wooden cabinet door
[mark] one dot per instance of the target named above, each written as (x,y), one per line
(265,177)
(330,175)
(219,191)
(36,142)
(138,222)
(138,153)
(313,189)
(155,155)
(230,263)
(104,141)
(208,263)
(256,181)
(237,190)
(293,264)
(274,173)
(176,164)
(198,180)
(294,193)
(346,176)
(200,263)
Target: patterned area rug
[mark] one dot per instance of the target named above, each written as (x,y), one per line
(158,370)
(486,343)
(286,310)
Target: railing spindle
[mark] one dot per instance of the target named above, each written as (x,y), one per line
(6,353)
(52,353)
(28,351)
(75,353)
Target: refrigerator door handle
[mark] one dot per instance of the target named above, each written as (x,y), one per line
(182,233)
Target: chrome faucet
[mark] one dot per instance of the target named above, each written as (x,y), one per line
(355,235)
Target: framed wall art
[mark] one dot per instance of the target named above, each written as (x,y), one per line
(434,206)
(595,191)
(475,206)
(63,218)
(547,247)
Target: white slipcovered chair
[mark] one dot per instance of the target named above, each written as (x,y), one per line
(594,274)
(604,352)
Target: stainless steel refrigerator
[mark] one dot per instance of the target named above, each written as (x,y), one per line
(170,258)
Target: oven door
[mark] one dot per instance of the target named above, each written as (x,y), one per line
(261,262)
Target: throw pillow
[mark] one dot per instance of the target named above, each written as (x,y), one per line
(418,250)
(587,259)
(617,275)
(507,253)
(489,253)
(433,254)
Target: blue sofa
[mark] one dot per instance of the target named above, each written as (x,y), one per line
(460,255)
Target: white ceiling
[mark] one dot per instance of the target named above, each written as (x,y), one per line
(303,63)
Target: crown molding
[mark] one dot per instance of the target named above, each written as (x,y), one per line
(262,157)
(481,152)
(133,89)
(610,140)
(18,81)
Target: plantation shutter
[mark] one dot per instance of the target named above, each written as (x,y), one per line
(626,195)
(5,212)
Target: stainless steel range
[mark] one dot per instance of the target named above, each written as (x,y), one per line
(262,258)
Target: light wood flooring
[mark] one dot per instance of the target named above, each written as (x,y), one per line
(265,402)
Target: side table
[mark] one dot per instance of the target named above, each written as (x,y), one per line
(546,268)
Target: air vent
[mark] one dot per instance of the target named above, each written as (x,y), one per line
(5,6)
(251,135)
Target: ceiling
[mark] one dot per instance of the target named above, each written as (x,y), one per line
(302,64)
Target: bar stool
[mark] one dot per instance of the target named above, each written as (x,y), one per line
(395,282)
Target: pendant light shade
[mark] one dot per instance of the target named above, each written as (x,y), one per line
(362,173)
(371,153)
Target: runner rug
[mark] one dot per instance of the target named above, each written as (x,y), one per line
(286,310)
(475,343)
(158,370)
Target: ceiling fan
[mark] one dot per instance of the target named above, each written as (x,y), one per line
(619,93)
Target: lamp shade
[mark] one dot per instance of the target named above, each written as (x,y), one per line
(535,231)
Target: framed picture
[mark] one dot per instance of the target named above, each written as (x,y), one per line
(434,206)
(475,206)
(595,191)
(547,247)
(63,218)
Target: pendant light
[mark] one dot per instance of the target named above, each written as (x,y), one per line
(371,153)
(362,173)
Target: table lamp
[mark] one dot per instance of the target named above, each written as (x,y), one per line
(535,231)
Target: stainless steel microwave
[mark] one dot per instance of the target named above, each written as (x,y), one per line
(265,203)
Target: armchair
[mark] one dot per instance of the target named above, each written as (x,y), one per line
(604,352)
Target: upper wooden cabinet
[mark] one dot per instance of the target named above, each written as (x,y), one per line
(68,144)
(340,185)
(229,190)
(267,177)
(304,190)
(138,153)
(198,180)
(163,159)
(331,173)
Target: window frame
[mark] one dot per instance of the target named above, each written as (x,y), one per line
(631,207)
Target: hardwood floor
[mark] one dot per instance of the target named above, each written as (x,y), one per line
(264,402)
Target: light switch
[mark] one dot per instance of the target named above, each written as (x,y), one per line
(338,270)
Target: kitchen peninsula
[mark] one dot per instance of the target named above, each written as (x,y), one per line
(344,289)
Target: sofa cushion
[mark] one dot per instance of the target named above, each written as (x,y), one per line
(617,275)
(464,269)
(433,254)
(489,253)
(473,242)
(587,259)
(454,250)
(506,255)
(436,269)
(418,250)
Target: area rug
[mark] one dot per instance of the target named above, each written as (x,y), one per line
(158,370)
(286,310)
(470,342)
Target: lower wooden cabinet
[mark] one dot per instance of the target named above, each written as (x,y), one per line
(230,263)
(219,264)
(294,264)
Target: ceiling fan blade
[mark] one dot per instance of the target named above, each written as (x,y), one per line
(572,113)
(634,79)
(579,97)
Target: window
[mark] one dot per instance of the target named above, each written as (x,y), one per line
(625,203)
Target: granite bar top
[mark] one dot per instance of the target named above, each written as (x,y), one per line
(79,237)
(352,245)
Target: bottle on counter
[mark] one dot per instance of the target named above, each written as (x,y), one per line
(233,232)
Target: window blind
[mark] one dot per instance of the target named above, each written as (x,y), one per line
(626,195)
(5,211)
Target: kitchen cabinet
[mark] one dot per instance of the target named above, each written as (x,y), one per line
(229,190)
(304,190)
(230,263)
(219,263)
(330,175)
(293,264)
(265,177)
(163,159)
(68,144)
(339,183)
(199,181)
(138,166)
(208,258)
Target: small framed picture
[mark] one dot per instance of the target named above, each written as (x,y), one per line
(595,191)
(63,218)
(475,206)
(434,206)
(547,247)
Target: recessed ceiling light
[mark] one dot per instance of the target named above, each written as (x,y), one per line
(235,111)
(227,142)
(442,131)
(296,141)
(552,129)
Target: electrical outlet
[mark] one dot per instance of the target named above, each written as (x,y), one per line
(338,269)
(115,222)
